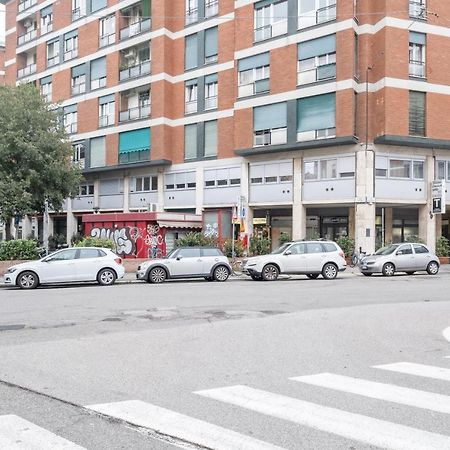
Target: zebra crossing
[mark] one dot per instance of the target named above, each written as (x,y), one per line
(19,434)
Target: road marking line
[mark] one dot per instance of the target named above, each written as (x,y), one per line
(381,391)
(342,423)
(19,434)
(421,370)
(446,334)
(183,427)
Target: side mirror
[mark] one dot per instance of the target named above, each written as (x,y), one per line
(400,252)
(288,252)
(179,258)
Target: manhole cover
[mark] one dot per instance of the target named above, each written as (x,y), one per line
(11,327)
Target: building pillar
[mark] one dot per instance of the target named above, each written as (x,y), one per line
(427,226)
(160,206)
(298,209)
(351,222)
(245,193)
(438,226)
(199,183)
(72,223)
(96,194)
(26,227)
(126,194)
(388,225)
(365,201)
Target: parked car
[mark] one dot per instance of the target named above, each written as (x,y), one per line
(69,265)
(310,258)
(406,257)
(186,262)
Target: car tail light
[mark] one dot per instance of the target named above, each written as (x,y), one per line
(118,260)
(341,254)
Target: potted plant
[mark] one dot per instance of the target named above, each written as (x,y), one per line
(443,249)
(348,247)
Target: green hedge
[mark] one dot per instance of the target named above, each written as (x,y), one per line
(95,242)
(19,249)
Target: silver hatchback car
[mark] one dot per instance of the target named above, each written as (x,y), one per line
(405,257)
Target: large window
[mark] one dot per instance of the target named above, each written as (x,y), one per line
(210,138)
(52,52)
(179,180)
(106,110)
(329,168)
(408,169)
(98,73)
(270,19)
(71,45)
(313,12)
(211,91)
(417,113)
(134,146)
(417,48)
(271,173)
(223,177)
(191,95)
(211,45)
(191,11)
(190,141)
(270,124)
(145,184)
(107,30)
(98,152)
(254,75)
(78,80)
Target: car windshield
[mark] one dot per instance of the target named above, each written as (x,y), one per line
(280,249)
(171,254)
(386,250)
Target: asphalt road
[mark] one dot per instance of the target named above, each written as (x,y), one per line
(136,348)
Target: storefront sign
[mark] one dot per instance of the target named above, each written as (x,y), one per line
(438,197)
(259,221)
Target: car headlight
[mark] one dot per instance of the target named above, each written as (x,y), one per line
(11,270)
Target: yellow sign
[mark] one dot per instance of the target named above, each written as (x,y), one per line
(260,221)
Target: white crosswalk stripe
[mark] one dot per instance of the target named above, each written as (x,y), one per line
(180,426)
(381,391)
(19,434)
(357,427)
(420,370)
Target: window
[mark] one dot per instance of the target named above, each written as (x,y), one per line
(98,73)
(106,110)
(270,124)
(317,60)
(189,253)
(190,141)
(311,169)
(46,88)
(63,255)
(328,169)
(270,19)
(271,173)
(329,247)
(211,45)
(417,54)
(70,119)
(211,138)
(418,9)
(78,9)
(97,152)
(314,247)
(134,145)
(86,190)
(399,168)
(179,180)
(316,117)
(314,12)
(144,184)
(46,20)
(223,177)
(420,249)
(191,11)
(211,252)
(97,4)
(405,249)
(107,30)
(211,91)
(79,155)
(443,170)
(211,8)
(191,92)
(297,249)
(191,51)
(254,75)
(52,53)
(70,45)
(417,113)
(88,253)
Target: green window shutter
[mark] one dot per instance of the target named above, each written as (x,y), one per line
(70,109)
(70,34)
(146,8)
(98,68)
(190,141)
(417,113)
(254,61)
(135,141)
(78,70)
(46,11)
(191,51)
(316,113)
(211,42)
(417,38)
(317,47)
(270,116)
(97,152)
(45,80)
(106,99)
(98,4)
(211,138)
(211,78)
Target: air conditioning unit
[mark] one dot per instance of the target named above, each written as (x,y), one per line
(152,207)
(130,54)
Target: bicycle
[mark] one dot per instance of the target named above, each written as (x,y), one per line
(357,258)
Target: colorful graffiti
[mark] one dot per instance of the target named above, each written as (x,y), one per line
(211,230)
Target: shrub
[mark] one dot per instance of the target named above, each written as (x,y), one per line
(347,244)
(413,238)
(19,249)
(54,241)
(77,237)
(238,248)
(284,237)
(96,242)
(195,239)
(442,246)
(260,246)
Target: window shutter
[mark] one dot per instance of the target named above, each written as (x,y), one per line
(70,34)
(97,152)
(135,141)
(70,109)
(270,116)
(417,115)
(191,51)
(211,138)
(254,61)
(316,113)
(46,11)
(98,4)
(78,70)
(98,68)
(106,99)
(317,47)
(211,42)
(211,78)
(190,141)
(46,80)
(417,38)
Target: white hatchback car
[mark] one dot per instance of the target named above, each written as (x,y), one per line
(310,258)
(70,265)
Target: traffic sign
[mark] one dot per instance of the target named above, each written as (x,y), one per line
(438,197)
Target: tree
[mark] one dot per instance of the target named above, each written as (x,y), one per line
(35,164)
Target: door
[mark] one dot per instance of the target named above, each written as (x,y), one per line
(404,258)
(422,257)
(89,263)
(59,267)
(316,257)
(188,261)
(210,257)
(295,259)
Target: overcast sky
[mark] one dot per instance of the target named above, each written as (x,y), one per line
(2,24)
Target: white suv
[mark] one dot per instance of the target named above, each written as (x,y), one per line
(310,258)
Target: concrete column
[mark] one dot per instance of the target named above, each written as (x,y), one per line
(71,221)
(298,209)
(427,221)
(388,225)
(96,194)
(365,202)
(351,222)
(126,193)
(13,229)
(245,192)
(26,227)
(199,183)
(438,226)
(160,191)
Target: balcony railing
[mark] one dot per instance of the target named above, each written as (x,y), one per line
(314,17)
(257,87)
(107,39)
(78,88)
(324,133)
(106,121)
(211,102)
(53,61)
(98,83)
(417,10)
(47,96)
(27,37)
(269,31)
(77,13)
(137,70)
(28,70)
(211,8)
(26,4)
(71,128)
(70,54)
(133,29)
(140,112)
(276,136)
(191,16)
(131,157)
(191,107)
(417,69)
(46,28)
(320,73)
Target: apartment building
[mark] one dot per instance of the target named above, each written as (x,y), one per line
(2,64)
(325,117)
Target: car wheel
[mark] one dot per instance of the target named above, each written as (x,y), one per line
(221,273)
(409,273)
(367,274)
(27,280)
(270,272)
(157,275)
(433,268)
(256,278)
(388,270)
(329,271)
(312,276)
(106,277)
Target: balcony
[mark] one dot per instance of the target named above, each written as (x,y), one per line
(417,69)
(211,8)
(131,157)
(107,39)
(46,28)
(53,61)
(26,4)
(325,133)
(269,31)
(191,16)
(320,73)
(211,102)
(316,17)
(139,112)
(77,13)
(417,10)
(257,87)
(136,28)
(70,54)
(71,128)
(137,70)
(78,88)
(98,83)
(191,107)
(27,37)
(106,121)
(28,70)
(276,136)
